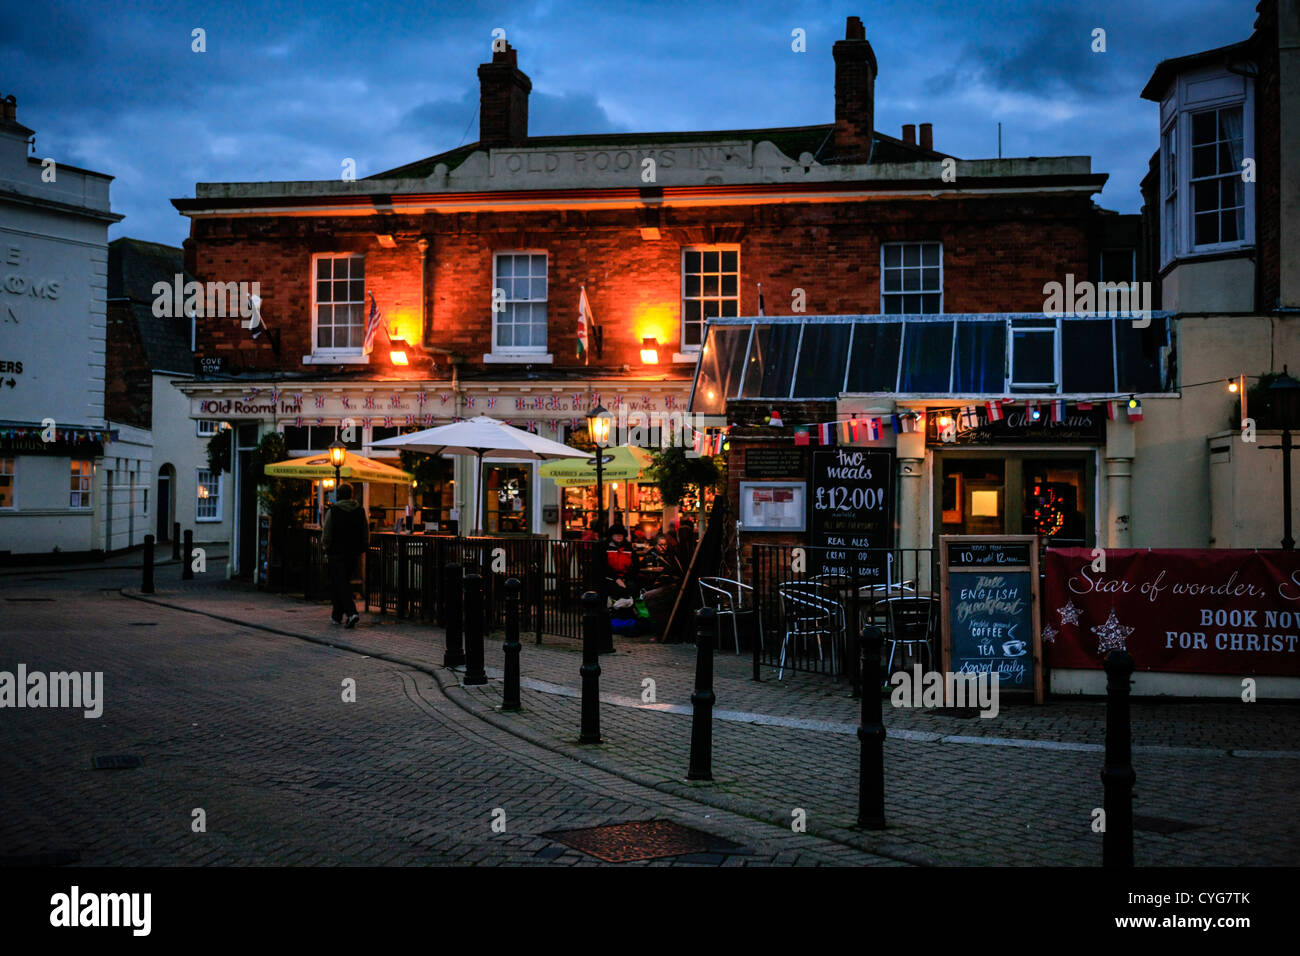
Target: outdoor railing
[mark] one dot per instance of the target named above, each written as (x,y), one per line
(813,603)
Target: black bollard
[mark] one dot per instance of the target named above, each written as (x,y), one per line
(871,735)
(510,690)
(176,540)
(474,672)
(187,568)
(1117,776)
(706,635)
(146,586)
(591,623)
(454,656)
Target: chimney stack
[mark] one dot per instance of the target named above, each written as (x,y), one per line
(909,134)
(503,100)
(855,93)
(10,112)
(927,136)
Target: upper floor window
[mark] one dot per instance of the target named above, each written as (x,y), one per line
(79,490)
(710,290)
(519,308)
(339,303)
(911,278)
(1207,133)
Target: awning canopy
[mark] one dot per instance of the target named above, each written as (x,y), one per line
(354,466)
(623,463)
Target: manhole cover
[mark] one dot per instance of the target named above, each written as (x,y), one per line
(116,762)
(1162,824)
(646,840)
(29,600)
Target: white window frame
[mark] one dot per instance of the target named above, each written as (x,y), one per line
(689,353)
(203,431)
(9,469)
(529,354)
(86,489)
(1192,93)
(330,356)
(911,242)
(1045,325)
(198,483)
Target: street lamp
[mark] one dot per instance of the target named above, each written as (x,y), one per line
(338,453)
(1284,395)
(598,423)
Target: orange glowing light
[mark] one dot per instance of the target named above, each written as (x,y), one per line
(650,351)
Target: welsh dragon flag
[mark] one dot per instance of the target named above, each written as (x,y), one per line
(584,323)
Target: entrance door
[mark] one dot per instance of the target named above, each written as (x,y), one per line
(507,497)
(163,504)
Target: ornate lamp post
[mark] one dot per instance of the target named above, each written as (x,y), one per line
(598,425)
(338,453)
(1284,393)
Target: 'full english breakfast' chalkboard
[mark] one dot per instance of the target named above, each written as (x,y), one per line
(990,600)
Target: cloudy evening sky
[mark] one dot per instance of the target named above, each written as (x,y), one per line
(288,90)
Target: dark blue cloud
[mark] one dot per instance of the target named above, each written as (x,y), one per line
(290,90)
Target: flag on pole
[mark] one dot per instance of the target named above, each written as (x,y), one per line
(255,321)
(372,325)
(994,410)
(1058,410)
(584,324)
(826,433)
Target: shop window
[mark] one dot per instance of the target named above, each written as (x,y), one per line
(338,304)
(521,326)
(506,492)
(820,373)
(972,498)
(771,361)
(911,278)
(927,357)
(206,427)
(721,363)
(7,482)
(873,360)
(1033,355)
(79,492)
(710,289)
(980,358)
(1088,356)
(208,496)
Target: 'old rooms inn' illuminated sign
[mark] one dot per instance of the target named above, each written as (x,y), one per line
(1017,424)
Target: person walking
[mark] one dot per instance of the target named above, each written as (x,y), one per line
(345,536)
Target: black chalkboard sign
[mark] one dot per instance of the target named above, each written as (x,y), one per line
(851,510)
(990,600)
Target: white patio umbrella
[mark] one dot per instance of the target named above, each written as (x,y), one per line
(480,437)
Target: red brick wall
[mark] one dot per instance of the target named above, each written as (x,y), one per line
(128,381)
(998,253)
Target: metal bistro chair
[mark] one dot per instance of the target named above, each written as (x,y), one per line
(912,620)
(731,598)
(809,609)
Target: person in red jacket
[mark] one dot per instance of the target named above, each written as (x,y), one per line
(343,539)
(621,564)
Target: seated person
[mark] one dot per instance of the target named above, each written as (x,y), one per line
(620,563)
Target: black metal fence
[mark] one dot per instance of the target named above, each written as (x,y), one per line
(812,604)
(404,575)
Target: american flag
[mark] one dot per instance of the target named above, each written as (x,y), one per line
(372,325)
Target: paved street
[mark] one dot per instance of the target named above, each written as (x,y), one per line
(233,714)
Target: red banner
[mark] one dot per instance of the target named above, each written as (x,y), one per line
(1185,611)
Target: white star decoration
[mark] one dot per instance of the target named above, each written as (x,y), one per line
(1112,635)
(1049,634)
(1069,613)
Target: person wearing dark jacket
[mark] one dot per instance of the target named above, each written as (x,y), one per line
(345,536)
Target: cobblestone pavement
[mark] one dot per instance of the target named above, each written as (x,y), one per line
(251,727)
(1018,789)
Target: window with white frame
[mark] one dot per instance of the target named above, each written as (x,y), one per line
(339,303)
(7,482)
(911,278)
(1207,134)
(710,290)
(519,322)
(208,501)
(79,488)
(1034,357)
(208,427)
